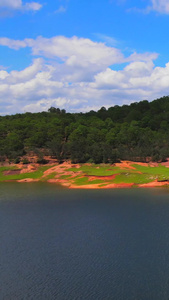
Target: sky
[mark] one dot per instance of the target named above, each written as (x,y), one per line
(81,55)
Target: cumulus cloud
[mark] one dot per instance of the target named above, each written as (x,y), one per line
(19,5)
(78,74)
(13,44)
(26,74)
(76,51)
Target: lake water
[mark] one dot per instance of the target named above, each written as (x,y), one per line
(83,244)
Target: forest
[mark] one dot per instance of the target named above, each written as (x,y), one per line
(136,132)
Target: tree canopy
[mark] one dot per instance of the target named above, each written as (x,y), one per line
(134,132)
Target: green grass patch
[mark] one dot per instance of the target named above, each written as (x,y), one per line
(34,175)
(75,170)
(2,169)
(65,176)
(96,181)
(85,181)
(98,170)
(50,176)
(160,172)
(133,178)
(81,181)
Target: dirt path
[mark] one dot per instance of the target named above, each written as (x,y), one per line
(125,164)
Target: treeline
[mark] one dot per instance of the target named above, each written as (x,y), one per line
(137,132)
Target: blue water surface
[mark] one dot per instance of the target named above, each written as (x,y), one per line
(65,244)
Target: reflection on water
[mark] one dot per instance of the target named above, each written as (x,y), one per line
(83,244)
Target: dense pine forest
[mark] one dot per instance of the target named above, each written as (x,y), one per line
(138,132)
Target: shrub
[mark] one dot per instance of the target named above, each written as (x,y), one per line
(25,161)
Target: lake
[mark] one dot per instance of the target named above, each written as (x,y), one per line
(65,244)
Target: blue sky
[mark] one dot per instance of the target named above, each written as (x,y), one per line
(81,55)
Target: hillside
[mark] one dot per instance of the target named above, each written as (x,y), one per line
(136,132)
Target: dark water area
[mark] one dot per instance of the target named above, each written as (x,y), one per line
(83,244)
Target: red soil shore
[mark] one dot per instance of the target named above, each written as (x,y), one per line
(62,169)
(97,186)
(123,164)
(154,184)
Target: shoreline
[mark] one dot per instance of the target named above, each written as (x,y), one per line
(95,186)
(90,176)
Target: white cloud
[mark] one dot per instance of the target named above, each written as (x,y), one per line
(161,6)
(3,74)
(61,9)
(108,40)
(13,44)
(27,74)
(76,51)
(32,6)
(77,74)
(142,57)
(19,5)
(13,4)
(138,79)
